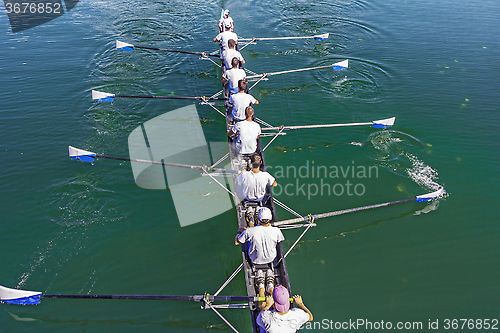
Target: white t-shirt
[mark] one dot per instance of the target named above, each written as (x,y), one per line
(263,241)
(225,36)
(226,21)
(248,131)
(234,75)
(272,322)
(240,102)
(228,56)
(254,184)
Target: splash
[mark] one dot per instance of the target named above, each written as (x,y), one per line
(398,151)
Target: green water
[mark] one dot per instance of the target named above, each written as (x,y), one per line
(69,227)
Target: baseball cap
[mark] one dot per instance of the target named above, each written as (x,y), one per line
(281,299)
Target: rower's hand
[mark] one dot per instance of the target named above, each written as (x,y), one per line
(297,299)
(269,301)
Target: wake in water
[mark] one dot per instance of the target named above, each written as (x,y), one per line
(398,151)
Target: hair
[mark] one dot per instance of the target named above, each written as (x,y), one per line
(242,84)
(235,62)
(231,43)
(256,160)
(249,111)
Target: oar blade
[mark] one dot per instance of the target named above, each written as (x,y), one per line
(384,123)
(100,96)
(341,65)
(81,155)
(20,297)
(124,46)
(430,196)
(322,36)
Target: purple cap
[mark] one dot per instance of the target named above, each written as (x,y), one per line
(281,299)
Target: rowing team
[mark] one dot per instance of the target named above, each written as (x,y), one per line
(245,130)
(276,315)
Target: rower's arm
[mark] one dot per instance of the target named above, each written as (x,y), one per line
(275,183)
(300,304)
(267,304)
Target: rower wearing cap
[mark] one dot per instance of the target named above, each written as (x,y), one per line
(233,76)
(282,319)
(241,101)
(226,22)
(263,240)
(254,182)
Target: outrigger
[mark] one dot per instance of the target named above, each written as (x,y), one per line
(245,210)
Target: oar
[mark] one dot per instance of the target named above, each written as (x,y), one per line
(129,47)
(107,97)
(26,297)
(315,37)
(88,156)
(383,123)
(337,67)
(419,198)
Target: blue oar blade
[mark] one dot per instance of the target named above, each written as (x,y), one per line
(81,155)
(100,96)
(124,46)
(341,65)
(384,123)
(20,297)
(430,196)
(321,37)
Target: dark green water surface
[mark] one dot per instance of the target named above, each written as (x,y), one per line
(70,227)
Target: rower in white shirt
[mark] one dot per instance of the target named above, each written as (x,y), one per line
(254,182)
(226,22)
(224,37)
(247,132)
(241,101)
(231,53)
(233,76)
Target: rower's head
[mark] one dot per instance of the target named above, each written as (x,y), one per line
(256,161)
(281,298)
(231,43)
(242,85)
(226,13)
(235,62)
(249,113)
(265,215)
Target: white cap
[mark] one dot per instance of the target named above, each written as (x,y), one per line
(265,214)
(226,12)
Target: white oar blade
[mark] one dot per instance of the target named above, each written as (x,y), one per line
(102,96)
(430,196)
(21,297)
(384,123)
(81,155)
(341,65)
(322,37)
(124,46)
